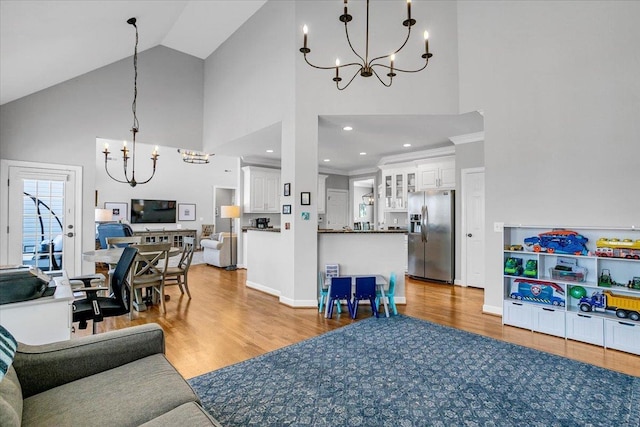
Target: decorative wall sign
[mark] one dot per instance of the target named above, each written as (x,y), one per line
(305,216)
(305,198)
(120,210)
(287,189)
(186,212)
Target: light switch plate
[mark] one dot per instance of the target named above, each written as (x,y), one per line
(498,227)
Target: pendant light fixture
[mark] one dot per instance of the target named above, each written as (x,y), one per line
(136,126)
(367,67)
(196,157)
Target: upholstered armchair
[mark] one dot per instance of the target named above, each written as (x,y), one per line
(216,251)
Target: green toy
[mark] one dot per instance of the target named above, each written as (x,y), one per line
(578,292)
(531,268)
(605,279)
(513,266)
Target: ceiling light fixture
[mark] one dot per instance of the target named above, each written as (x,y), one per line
(406,145)
(269,151)
(363,154)
(347,128)
(366,66)
(196,157)
(327,160)
(136,126)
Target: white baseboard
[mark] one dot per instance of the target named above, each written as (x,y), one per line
(262,288)
(490,309)
(299,303)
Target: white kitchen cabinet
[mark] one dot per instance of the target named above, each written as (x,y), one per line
(397,183)
(322,193)
(436,174)
(583,283)
(261,190)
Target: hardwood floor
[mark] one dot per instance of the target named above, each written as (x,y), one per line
(225,322)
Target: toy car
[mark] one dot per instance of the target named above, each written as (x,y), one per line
(531,269)
(558,241)
(513,267)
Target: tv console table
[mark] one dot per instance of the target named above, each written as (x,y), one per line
(175,237)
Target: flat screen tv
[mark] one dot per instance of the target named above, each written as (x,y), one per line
(146,211)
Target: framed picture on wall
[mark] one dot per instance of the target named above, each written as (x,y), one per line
(119,210)
(186,212)
(305,198)
(286,209)
(287,189)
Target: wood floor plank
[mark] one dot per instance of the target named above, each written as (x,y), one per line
(225,323)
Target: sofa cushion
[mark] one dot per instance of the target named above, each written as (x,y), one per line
(128,395)
(189,414)
(10,399)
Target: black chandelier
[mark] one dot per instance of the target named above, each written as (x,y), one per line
(366,68)
(136,126)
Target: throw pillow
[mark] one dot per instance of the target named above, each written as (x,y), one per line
(8,345)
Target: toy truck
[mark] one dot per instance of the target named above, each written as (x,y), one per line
(538,291)
(624,306)
(558,241)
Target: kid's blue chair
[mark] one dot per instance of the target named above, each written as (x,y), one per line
(324,293)
(390,294)
(365,290)
(340,289)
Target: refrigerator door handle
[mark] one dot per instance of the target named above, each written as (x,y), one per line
(425,221)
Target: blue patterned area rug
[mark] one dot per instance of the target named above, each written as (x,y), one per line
(402,371)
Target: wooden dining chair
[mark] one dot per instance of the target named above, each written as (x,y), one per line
(121,242)
(178,275)
(149,270)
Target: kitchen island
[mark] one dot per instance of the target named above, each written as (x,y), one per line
(356,252)
(366,252)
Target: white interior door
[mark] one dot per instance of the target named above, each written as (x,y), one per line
(41,217)
(473,227)
(337,209)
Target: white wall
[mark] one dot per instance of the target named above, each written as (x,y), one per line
(174,180)
(60,124)
(558,83)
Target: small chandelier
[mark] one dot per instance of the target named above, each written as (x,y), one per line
(368,199)
(366,68)
(197,157)
(136,126)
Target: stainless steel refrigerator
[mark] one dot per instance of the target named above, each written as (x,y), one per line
(432,234)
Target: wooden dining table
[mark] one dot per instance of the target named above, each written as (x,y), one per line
(111,256)
(381,282)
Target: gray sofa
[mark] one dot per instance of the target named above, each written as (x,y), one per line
(118,378)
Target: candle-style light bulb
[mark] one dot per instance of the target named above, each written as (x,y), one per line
(426,42)
(305,31)
(106,146)
(337,67)
(392,58)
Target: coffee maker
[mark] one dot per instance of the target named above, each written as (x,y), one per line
(260,222)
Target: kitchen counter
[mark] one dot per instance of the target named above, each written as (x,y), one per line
(271,229)
(329,231)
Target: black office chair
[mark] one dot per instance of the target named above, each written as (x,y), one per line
(96,308)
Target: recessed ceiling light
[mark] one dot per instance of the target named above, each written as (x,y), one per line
(327,160)
(363,154)
(269,151)
(347,128)
(406,145)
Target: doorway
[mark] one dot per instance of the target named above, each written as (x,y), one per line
(473,227)
(337,209)
(222,196)
(362,210)
(42,222)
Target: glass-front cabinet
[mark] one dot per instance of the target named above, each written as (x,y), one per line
(397,184)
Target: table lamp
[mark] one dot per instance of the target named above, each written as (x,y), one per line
(230,212)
